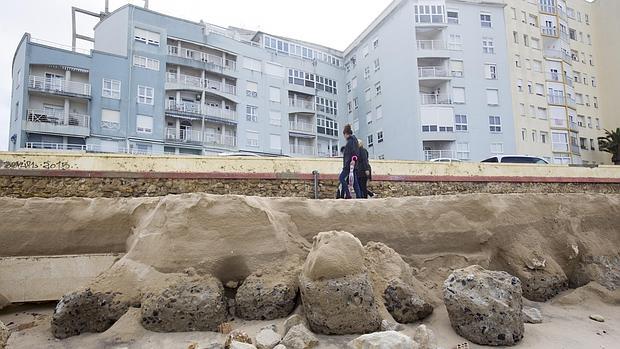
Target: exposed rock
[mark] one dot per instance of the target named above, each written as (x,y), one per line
(280,346)
(597,318)
(3,301)
(237,336)
(390,326)
(605,270)
(484,306)
(4,335)
(184,305)
(87,311)
(299,337)
(269,293)
(336,292)
(239,345)
(267,338)
(532,316)
(425,337)
(383,340)
(294,320)
(395,286)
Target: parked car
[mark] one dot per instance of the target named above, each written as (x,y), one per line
(516,159)
(446,160)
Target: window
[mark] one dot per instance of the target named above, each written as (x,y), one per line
(488,46)
(379,113)
(274,69)
(598,123)
(144,124)
(366,73)
(540,89)
(457,68)
(520,85)
(252,139)
(251,89)
(275,118)
(513,13)
(492,97)
(533,20)
(274,94)
(350,107)
(515,37)
(370,140)
(532,111)
(145,62)
(377,64)
(275,142)
(356,103)
(146,36)
(589,122)
(375,43)
(490,71)
(146,95)
(251,113)
(462,151)
(542,113)
(456,42)
(460,122)
(526,40)
(495,124)
(251,64)
(429,14)
(497,148)
(453,16)
(111,89)
(523,132)
(535,43)
(110,119)
(378,88)
(534,136)
(537,66)
(354,83)
(544,136)
(368,94)
(485,20)
(518,61)
(458,95)
(559,142)
(365,51)
(592,144)
(325,105)
(522,108)
(369,117)
(380,137)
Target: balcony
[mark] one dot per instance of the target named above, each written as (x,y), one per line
(301,126)
(433,73)
(200,110)
(197,83)
(59,86)
(432,99)
(57,122)
(430,155)
(301,104)
(55,146)
(559,54)
(433,49)
(562,101)
(213,63)
(549,31)
(548,9)
(302,150)
(557,77)
(430,20)
(220,140)
(183,135)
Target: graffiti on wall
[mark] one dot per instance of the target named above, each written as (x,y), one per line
(34,165)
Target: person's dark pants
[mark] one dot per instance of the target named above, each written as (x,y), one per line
(363,181)
(344,182)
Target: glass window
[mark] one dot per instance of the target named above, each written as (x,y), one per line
(251,113)
(485,20)
(453,16)
(490,71)
(488,45)
(251,89)
(460,122)
(146,95)
(111,89)
(495,124)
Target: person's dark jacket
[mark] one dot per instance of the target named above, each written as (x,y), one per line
(363,164)
(350,150)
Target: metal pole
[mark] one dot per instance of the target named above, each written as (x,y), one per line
(315,175)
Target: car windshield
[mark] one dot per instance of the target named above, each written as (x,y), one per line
(522,160)
(490,160)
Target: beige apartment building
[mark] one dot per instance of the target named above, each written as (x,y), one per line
(558,59)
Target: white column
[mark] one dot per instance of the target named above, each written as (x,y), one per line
(178,128)
(67,104)
(223,134)
(203,76)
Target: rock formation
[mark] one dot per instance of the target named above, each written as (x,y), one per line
(4,335)
(299,337)
(336,291)
(485,306)
(383,340)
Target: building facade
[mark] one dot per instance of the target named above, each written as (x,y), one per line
(427,79)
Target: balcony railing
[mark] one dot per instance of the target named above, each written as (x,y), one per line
(433,72)
(58,118)
(199,83)
(432,45)
(439,154)
(303,150)
(304,104)
(549,31)
(550,9)
(211,60)
(199,109)
(432,99)
(55,146)
(56,85)
(561,100)
(302,126)
(183,135)
(559,54)
(220,140)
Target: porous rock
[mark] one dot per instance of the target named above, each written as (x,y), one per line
(237,336)
(4,335)
(87,311)
(299,337)
(336,291)
(269,293)
(240,345)
(532,316)
(280,346)
(267,338)
(404,303)
(294,320)
(484,306)
(387,325)
(425,337)
(383,340)
(190,303)
(604,270)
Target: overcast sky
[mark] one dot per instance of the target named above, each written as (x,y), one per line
(333,23)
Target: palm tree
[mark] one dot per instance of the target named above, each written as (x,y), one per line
(611,144)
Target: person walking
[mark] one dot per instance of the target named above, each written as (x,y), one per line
(350,157)
(363,170)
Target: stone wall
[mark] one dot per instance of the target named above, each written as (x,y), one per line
(48,186)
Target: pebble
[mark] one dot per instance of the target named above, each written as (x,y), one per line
(597,318)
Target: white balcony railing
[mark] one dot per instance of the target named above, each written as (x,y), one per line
(545,8)
(55,146)
(439,154)
(433,72)
(304,104)
(559,54)
(432,99)
(212,61)
(220,140)
(183,135)
(549,31)
(432,45)
(58,118)
(303,150)
(56,85)
(199,83)
(199,109)
(302,126)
